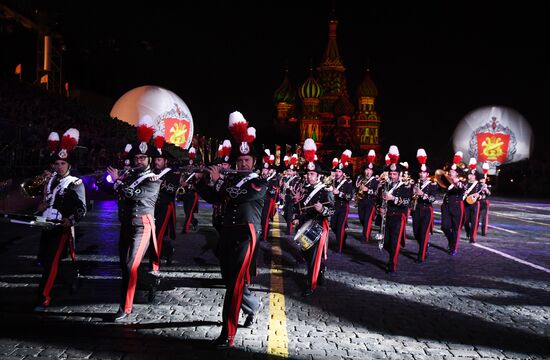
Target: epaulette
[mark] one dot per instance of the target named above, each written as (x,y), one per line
(77,182)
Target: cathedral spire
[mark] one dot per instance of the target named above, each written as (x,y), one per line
(331,58)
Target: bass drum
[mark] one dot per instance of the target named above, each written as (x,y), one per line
(308,234)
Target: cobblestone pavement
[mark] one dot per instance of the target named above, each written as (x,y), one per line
(492,300)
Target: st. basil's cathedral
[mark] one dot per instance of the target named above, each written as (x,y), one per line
(325,111)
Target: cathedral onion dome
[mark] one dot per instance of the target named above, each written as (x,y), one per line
(343,106)
(284,92)
(367,88)
(310,88)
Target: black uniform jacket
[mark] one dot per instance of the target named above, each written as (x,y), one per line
(304,214)
(244,200)
(71,201)
(430,192)
(137,200)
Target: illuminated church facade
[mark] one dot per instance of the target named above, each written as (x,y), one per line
(323,110)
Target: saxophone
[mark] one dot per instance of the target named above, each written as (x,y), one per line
(359,183)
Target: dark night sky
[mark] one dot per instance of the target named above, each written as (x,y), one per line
(433,63)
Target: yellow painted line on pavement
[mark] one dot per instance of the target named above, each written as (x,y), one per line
(277,339)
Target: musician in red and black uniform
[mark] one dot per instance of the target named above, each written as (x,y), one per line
(484,202)
(471,203)
(137,196)
(343,193)
(367,184)
(396,195)
(452,207)
(244,194)
(218,207)
(64,202)
(288,184)
(424,195)
(165,210)
(269,173)
(190,197)
(316,206)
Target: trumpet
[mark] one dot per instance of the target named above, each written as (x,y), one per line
(359,183)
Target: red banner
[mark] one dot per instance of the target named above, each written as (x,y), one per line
(492,146)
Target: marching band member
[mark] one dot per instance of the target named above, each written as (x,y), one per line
(452,207)
(64,202)
(471,203)
(289,183)
(269,173)
(190,197)
(137,196)
(316,206)
(343,193)
(484,202)
(396,197)
(365,195)
(218,207)
(245,194)
(165,208)
(424,195)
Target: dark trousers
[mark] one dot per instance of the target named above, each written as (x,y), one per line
(471,220)
(236,250)
(56,244)
(366,210)
(135,235)
(315,259)
(483,216)
(452,215)
(190,206)
(422,218)
(338,223)
(267,212)
(395,223)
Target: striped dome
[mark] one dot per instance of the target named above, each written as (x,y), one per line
(367,88)
(310,88)
(284,92)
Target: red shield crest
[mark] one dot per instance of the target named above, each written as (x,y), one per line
(176,131)
(492,146)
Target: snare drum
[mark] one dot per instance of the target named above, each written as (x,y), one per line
(308,234)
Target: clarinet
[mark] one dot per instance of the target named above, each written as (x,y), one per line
(382,233)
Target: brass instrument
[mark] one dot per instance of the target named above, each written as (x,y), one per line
(34,187)
(442,178)
(359,183)
(415,196)
(380,237)
(328,181)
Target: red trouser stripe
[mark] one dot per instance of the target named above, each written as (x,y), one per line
(320,250)
(269,211)
(233,316)
(459,225)
(343,229)
(486,218)
(191,211)
(169,215)
(427,234)
(476,222)
(398,244)
(65,235)
(369,224)
(148,230)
